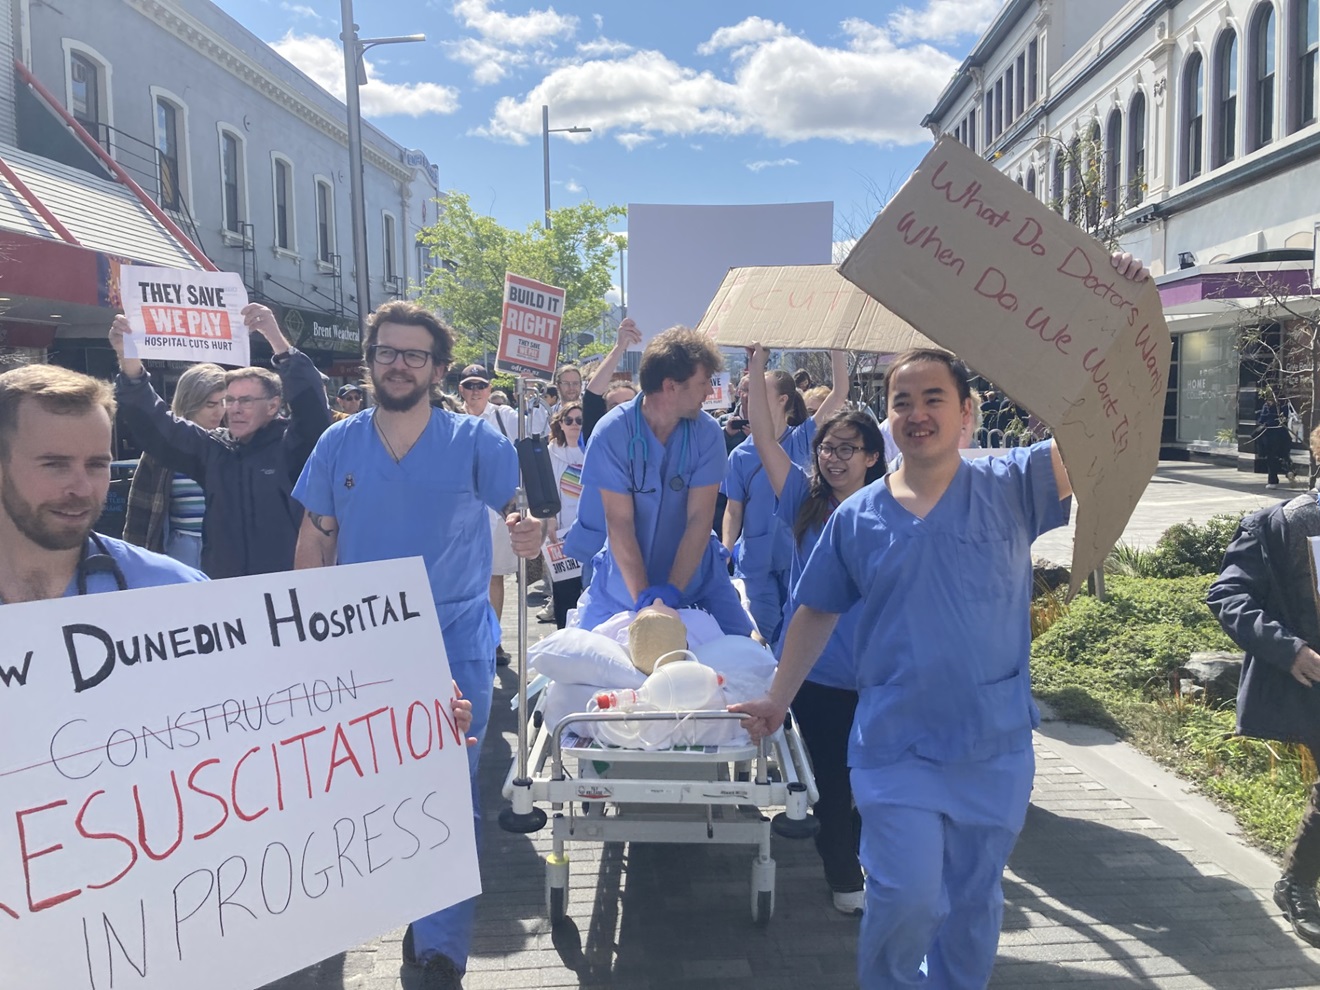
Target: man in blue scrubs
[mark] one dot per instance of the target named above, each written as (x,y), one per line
(649,481)
(402,480)
(54,476)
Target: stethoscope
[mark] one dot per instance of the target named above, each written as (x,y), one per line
(99,562)
(676,483)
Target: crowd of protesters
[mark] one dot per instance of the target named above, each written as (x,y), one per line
(856,535)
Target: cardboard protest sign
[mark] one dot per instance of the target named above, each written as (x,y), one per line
(805,307)
(1031,302)
(212,785)
(179,315)
(530,328)
(558,566)
(720,392)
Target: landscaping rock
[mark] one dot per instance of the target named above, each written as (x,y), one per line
(1215,674)
(1047,575)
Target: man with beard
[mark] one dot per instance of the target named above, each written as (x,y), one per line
(404,479)
(54,476)
(246,470)
(649,481)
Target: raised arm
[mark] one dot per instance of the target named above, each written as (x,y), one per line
(629,336)
(773,458)
(838,388)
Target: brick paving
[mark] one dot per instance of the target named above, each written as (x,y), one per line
(1119,880)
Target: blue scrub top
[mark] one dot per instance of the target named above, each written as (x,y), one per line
(432,504)
(140,569)
(660,513)
(765,544)
(944,632)
(836,667)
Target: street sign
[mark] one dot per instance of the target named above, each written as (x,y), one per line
(530,328)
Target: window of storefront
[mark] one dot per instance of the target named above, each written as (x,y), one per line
(1207,385)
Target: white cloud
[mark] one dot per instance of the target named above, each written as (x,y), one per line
(490,63)
(784,87)
(598,47)
(751,31)
(943,20)
(323,61)
(840,250)
(776,163)
(573,186)
(529,30)
(300,10)
(633,141)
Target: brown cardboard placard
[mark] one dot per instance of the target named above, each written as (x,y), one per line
(1032,302)
(805,307)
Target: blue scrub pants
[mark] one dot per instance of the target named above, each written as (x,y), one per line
(933,880)
(766,594)
(449,932)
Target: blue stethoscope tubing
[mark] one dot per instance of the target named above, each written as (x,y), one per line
(678,482)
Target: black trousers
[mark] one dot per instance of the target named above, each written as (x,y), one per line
(565,595)
(1301,861)
(825,716)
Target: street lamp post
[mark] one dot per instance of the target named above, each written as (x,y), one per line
(546,131)
(355,76)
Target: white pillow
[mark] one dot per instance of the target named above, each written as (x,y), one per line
(564,699)
(579,656)
(746,665)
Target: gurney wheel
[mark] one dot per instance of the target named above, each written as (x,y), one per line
(557,896)
(765,907)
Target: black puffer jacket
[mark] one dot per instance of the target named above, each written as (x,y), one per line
(252,518)
(1265,599)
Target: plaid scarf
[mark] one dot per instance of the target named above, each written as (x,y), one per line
(148,504)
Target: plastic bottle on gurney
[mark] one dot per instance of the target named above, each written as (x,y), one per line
(681,686)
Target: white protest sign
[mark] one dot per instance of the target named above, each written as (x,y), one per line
(1031,301)
(560,567)
(719,392)
(530,326)
(179,315)
(212,785)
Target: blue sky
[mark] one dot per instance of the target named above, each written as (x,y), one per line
(690,101)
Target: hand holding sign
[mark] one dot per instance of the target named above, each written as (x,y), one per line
(179,315)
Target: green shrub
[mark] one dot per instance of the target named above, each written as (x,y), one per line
(1191,548)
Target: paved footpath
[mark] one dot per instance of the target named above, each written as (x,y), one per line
(1122,878)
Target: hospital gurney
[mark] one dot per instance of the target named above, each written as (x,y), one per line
(694,795)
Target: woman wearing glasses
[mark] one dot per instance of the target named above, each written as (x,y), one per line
(166,508)
(566,460)
(846,455)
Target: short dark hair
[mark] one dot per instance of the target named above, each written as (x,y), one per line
(677,353)
(56,389)
(410,314)
(961,376)
(269,380)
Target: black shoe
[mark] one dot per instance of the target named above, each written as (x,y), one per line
(437,973)
(1298,902)
(502,659)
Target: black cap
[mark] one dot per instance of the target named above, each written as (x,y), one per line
(474,371)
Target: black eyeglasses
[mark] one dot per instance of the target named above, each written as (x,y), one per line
(576,421)
(380,354)
(843,451)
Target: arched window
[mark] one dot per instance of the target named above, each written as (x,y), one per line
(1093,177)
(1224,148)
(1260,125)
(1031,181)
(1057,193)
(1114,204)
(1136,173)
(1074,193)
(1306,52)
(1192,108)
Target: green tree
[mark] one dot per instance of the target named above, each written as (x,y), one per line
(576,254)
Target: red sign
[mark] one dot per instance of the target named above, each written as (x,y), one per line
(530,328)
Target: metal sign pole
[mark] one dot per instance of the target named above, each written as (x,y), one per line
(522,815)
